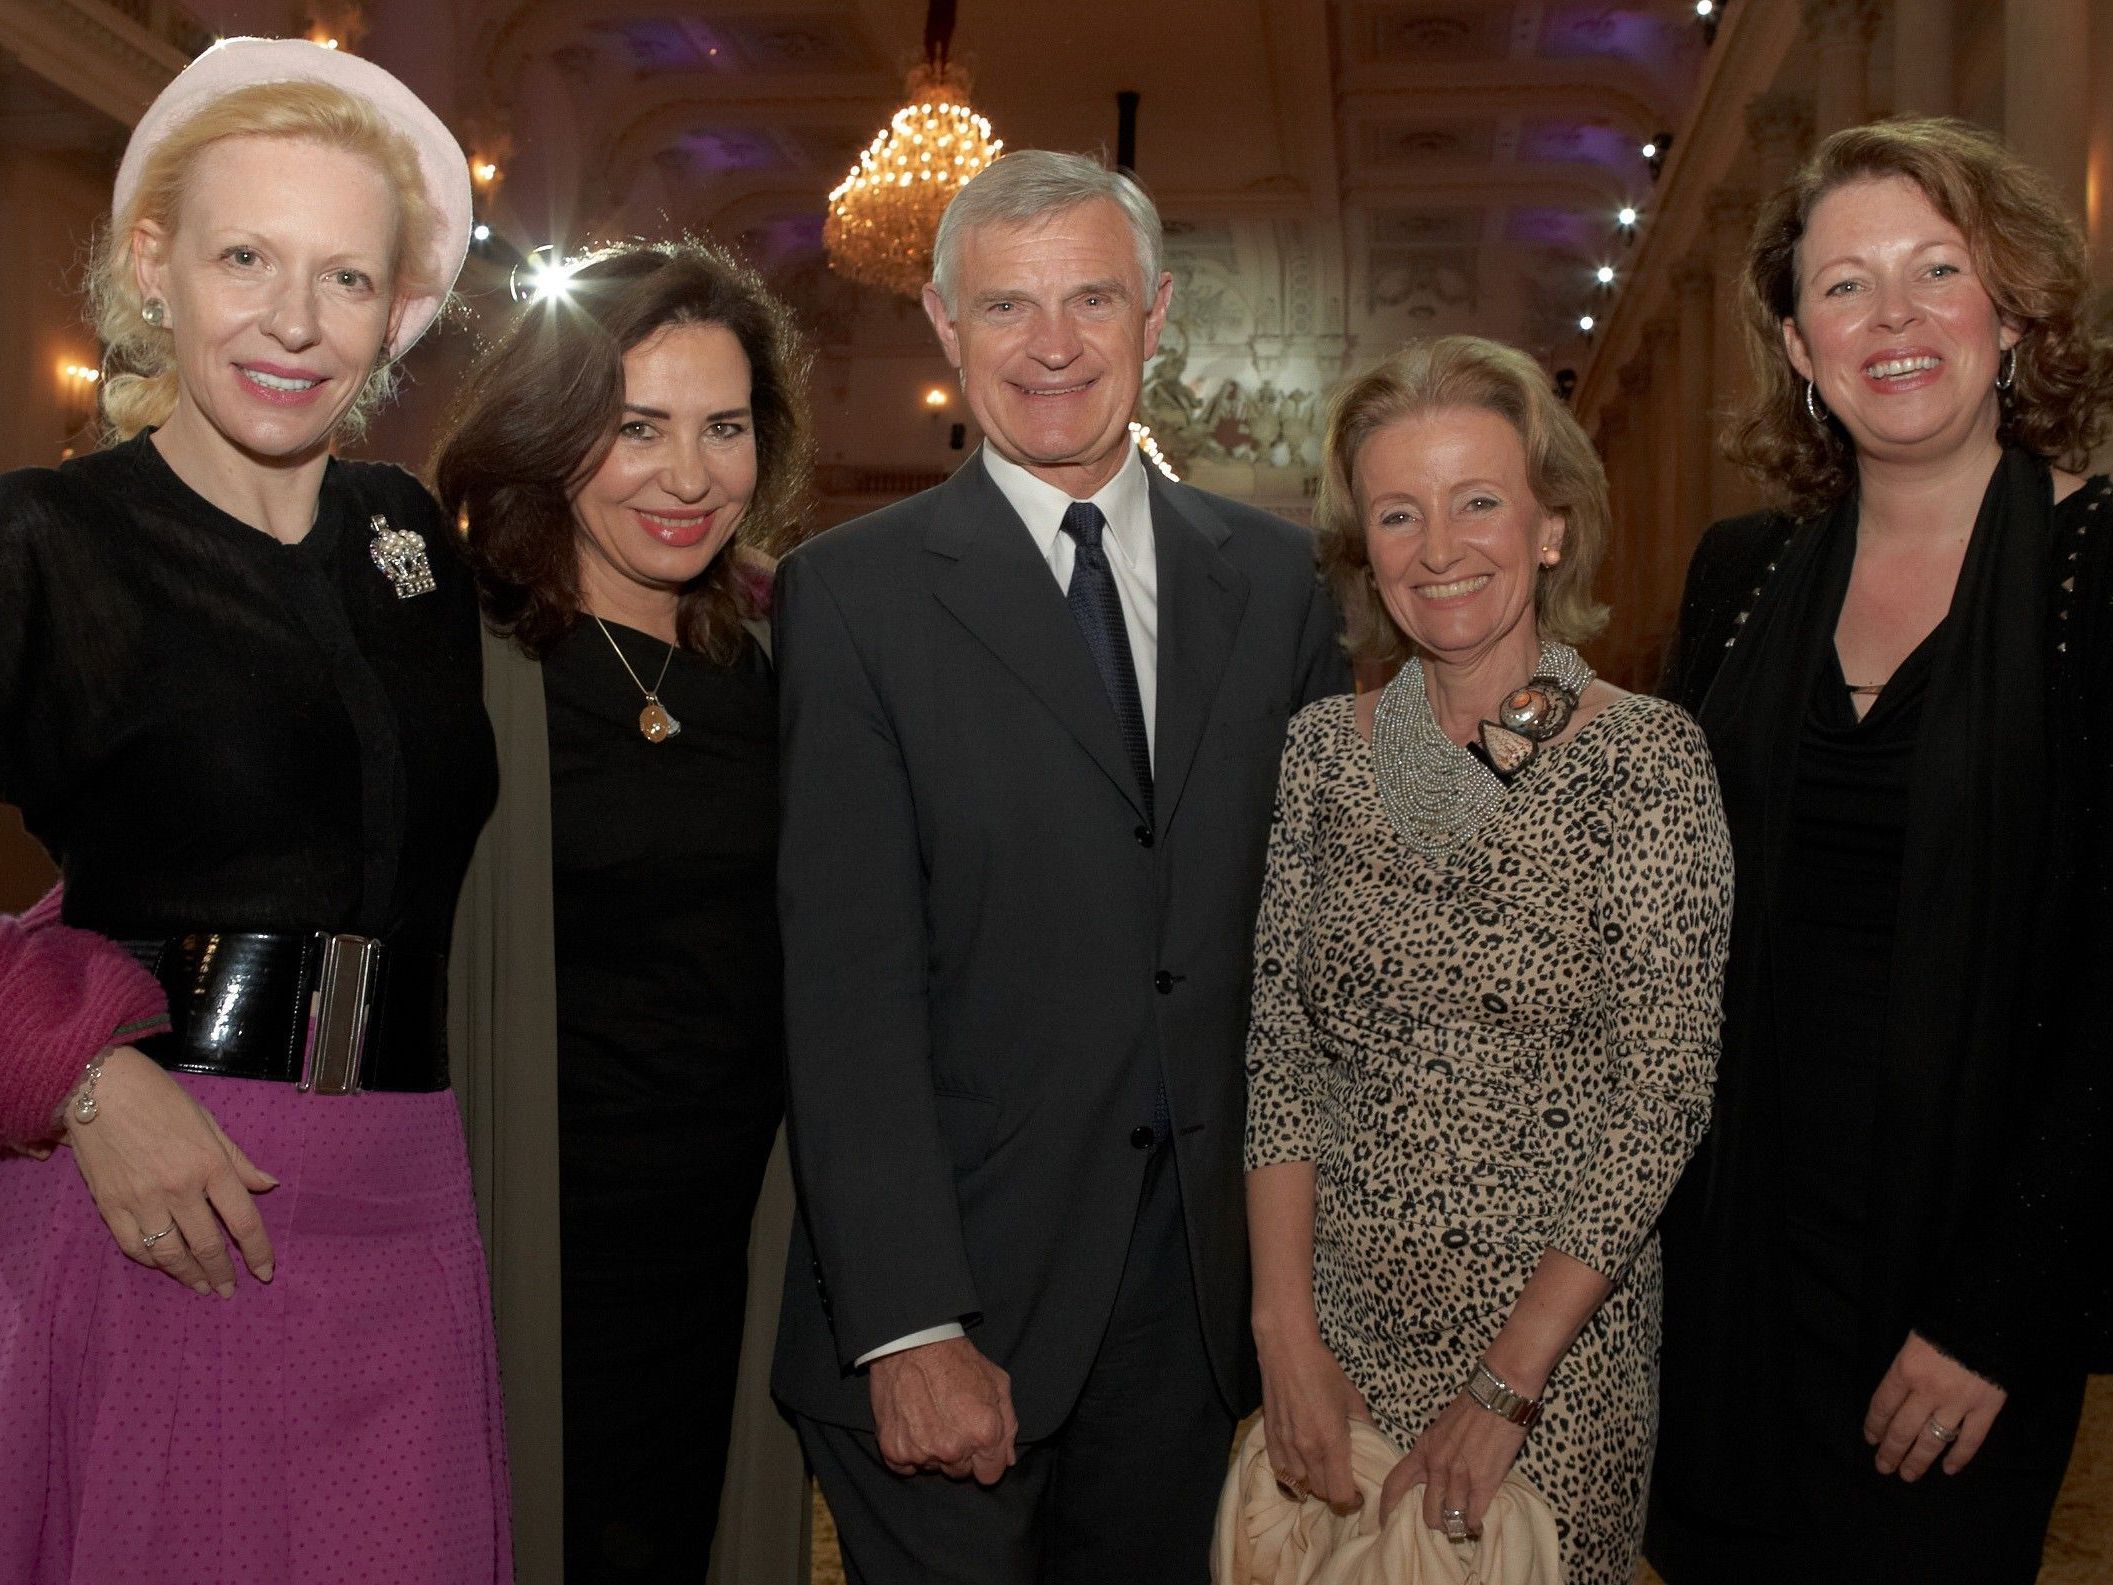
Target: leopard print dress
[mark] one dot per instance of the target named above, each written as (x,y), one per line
(1497,1051)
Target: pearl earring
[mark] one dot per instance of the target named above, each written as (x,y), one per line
(1550,555)
(153,311)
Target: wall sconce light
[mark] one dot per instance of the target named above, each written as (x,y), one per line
(485,178)
(78,383)
(336,24)
(935,399)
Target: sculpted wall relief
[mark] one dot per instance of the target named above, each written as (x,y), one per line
(1253,341)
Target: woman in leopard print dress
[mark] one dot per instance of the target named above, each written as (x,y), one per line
(1486,1008)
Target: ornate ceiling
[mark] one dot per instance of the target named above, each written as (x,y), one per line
(1340,173)
(1456,163)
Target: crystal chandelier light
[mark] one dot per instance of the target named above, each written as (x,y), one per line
(885,212)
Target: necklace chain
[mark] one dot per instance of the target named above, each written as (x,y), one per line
(1434,791)
(653,692)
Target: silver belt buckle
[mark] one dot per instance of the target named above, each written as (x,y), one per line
(344,997)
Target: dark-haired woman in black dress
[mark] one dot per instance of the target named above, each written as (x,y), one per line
(623,459)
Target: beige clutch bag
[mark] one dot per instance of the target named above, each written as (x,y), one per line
(1266,1538)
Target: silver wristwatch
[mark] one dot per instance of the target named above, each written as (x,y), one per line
(1488,1389)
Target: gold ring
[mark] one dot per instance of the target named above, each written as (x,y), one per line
(1940,1432)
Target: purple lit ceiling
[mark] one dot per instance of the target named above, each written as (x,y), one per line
(1575,142)
(1634,32)
(667,44)
(1564,228)
(722,150)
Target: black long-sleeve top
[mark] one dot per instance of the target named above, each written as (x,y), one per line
(213,730)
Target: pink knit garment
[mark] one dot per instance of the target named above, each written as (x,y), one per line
(65,994)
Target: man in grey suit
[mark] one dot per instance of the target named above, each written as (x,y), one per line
(1031,724)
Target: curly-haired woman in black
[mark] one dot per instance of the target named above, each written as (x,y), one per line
(1875,1273)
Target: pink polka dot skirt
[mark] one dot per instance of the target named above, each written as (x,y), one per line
(341,1424)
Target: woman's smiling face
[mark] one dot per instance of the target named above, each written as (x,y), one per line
(681,467)
(277,291)
(1893,327)
(1453,534)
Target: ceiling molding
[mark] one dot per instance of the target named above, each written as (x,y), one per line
(523,31)
(93,51)
(1303,91)
(1474,185)
(1614,89)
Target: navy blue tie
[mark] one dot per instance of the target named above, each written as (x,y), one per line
(1098,610)
(1097,607)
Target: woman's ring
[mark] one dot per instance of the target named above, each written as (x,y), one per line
(1942,1433)
(148,1241)
(1290,1485)
(1455,1524)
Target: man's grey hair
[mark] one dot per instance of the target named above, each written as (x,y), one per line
(1020,187)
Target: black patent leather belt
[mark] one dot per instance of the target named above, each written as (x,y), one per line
(332,1014)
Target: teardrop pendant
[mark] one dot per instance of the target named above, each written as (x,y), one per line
(1504,751)
(654,722)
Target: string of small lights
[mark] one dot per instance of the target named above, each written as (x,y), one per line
(1653,151)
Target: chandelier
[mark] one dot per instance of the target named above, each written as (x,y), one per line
(885,212)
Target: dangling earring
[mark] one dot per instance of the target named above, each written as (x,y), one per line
(1812,405)
(153,311)
(2008,374)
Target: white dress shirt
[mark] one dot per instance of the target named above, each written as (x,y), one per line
(1126,502)
(1133,557)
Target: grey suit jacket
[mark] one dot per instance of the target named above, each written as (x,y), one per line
(990,956)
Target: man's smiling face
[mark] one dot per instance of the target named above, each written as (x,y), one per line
(1050,327)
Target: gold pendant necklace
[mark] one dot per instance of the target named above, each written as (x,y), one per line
(655,724)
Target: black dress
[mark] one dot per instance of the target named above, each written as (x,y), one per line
(1826,1514)
(670,1080)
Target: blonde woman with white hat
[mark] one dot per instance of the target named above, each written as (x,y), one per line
(243,1324)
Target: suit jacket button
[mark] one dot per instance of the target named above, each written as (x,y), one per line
(1141,1137)
(1143,835)
(1163,982)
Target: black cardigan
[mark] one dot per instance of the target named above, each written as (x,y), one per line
(2061,1198)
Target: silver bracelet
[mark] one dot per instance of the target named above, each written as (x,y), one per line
(85,1104)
